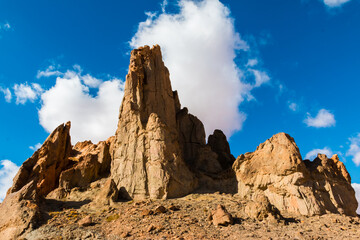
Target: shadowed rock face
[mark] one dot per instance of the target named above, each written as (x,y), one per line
(292,185)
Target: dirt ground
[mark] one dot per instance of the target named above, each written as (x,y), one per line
(183,218)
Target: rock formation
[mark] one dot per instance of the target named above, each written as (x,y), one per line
(159,146)
(292,185)
(36,177)
(159,151)
(148,161)
(90,163)
(47,163)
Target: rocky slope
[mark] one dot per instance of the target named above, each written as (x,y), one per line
(125,187)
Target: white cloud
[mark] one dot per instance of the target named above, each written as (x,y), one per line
(324,118)
(354,149)
(7,94)
(335,3)
(91,81)
(92,117)
(35,147)
(356,187)
(25,92)
(8,171)
(293,106)
(252,63)
(199,45)
(261,77)
(163,5)
(313,153)
(50,71)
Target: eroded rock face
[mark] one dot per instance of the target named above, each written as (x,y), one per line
(19,212)
(148,160)
(292,185)
(91,162)
(46,164)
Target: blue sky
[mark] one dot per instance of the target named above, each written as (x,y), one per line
(253,68)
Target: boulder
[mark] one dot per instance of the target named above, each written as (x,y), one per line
(260,208)
(108,194)
(86,221)
(221,216)
(294,186)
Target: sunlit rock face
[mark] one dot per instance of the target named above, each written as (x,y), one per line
(148,159)
(292,185)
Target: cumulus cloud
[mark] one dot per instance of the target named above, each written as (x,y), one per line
(335,3)
(25,92)
(354,149)
(356,187)
(91,81)
(35,147)
(93,116)
(313,153)
(7,94)
(8,171)
(199,45)
(48,72)
(323,119)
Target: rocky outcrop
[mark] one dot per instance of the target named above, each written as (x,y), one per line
(191,135)
(19,212)
(36,177)
(148,160)
(159,146)
(46,164)
(219,144)
(292,185)
(90,163)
